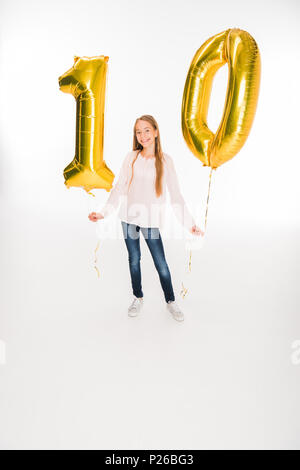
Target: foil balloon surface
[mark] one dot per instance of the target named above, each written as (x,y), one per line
(239,51)
(86,81)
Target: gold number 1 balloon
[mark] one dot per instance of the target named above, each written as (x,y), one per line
(239,50)
(86,81)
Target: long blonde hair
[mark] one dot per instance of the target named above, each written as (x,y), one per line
(159,157)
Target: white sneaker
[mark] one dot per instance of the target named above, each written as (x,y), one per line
(175,310)
(135,306)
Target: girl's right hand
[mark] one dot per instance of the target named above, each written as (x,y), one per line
(94,216)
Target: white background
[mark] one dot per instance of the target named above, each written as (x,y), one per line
(75,371)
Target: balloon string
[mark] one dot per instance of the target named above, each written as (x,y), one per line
(95,261)
(184,291)
(207,199)
(190,261)
(98,243)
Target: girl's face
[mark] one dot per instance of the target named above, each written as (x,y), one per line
(145,133)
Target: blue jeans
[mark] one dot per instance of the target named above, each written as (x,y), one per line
(153,239)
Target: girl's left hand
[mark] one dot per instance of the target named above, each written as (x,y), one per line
(195,230)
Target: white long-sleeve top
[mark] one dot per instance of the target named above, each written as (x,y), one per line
(139,202)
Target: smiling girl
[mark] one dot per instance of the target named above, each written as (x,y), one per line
(146,172)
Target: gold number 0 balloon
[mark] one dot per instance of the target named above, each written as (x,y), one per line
(86,81)
(239,50)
